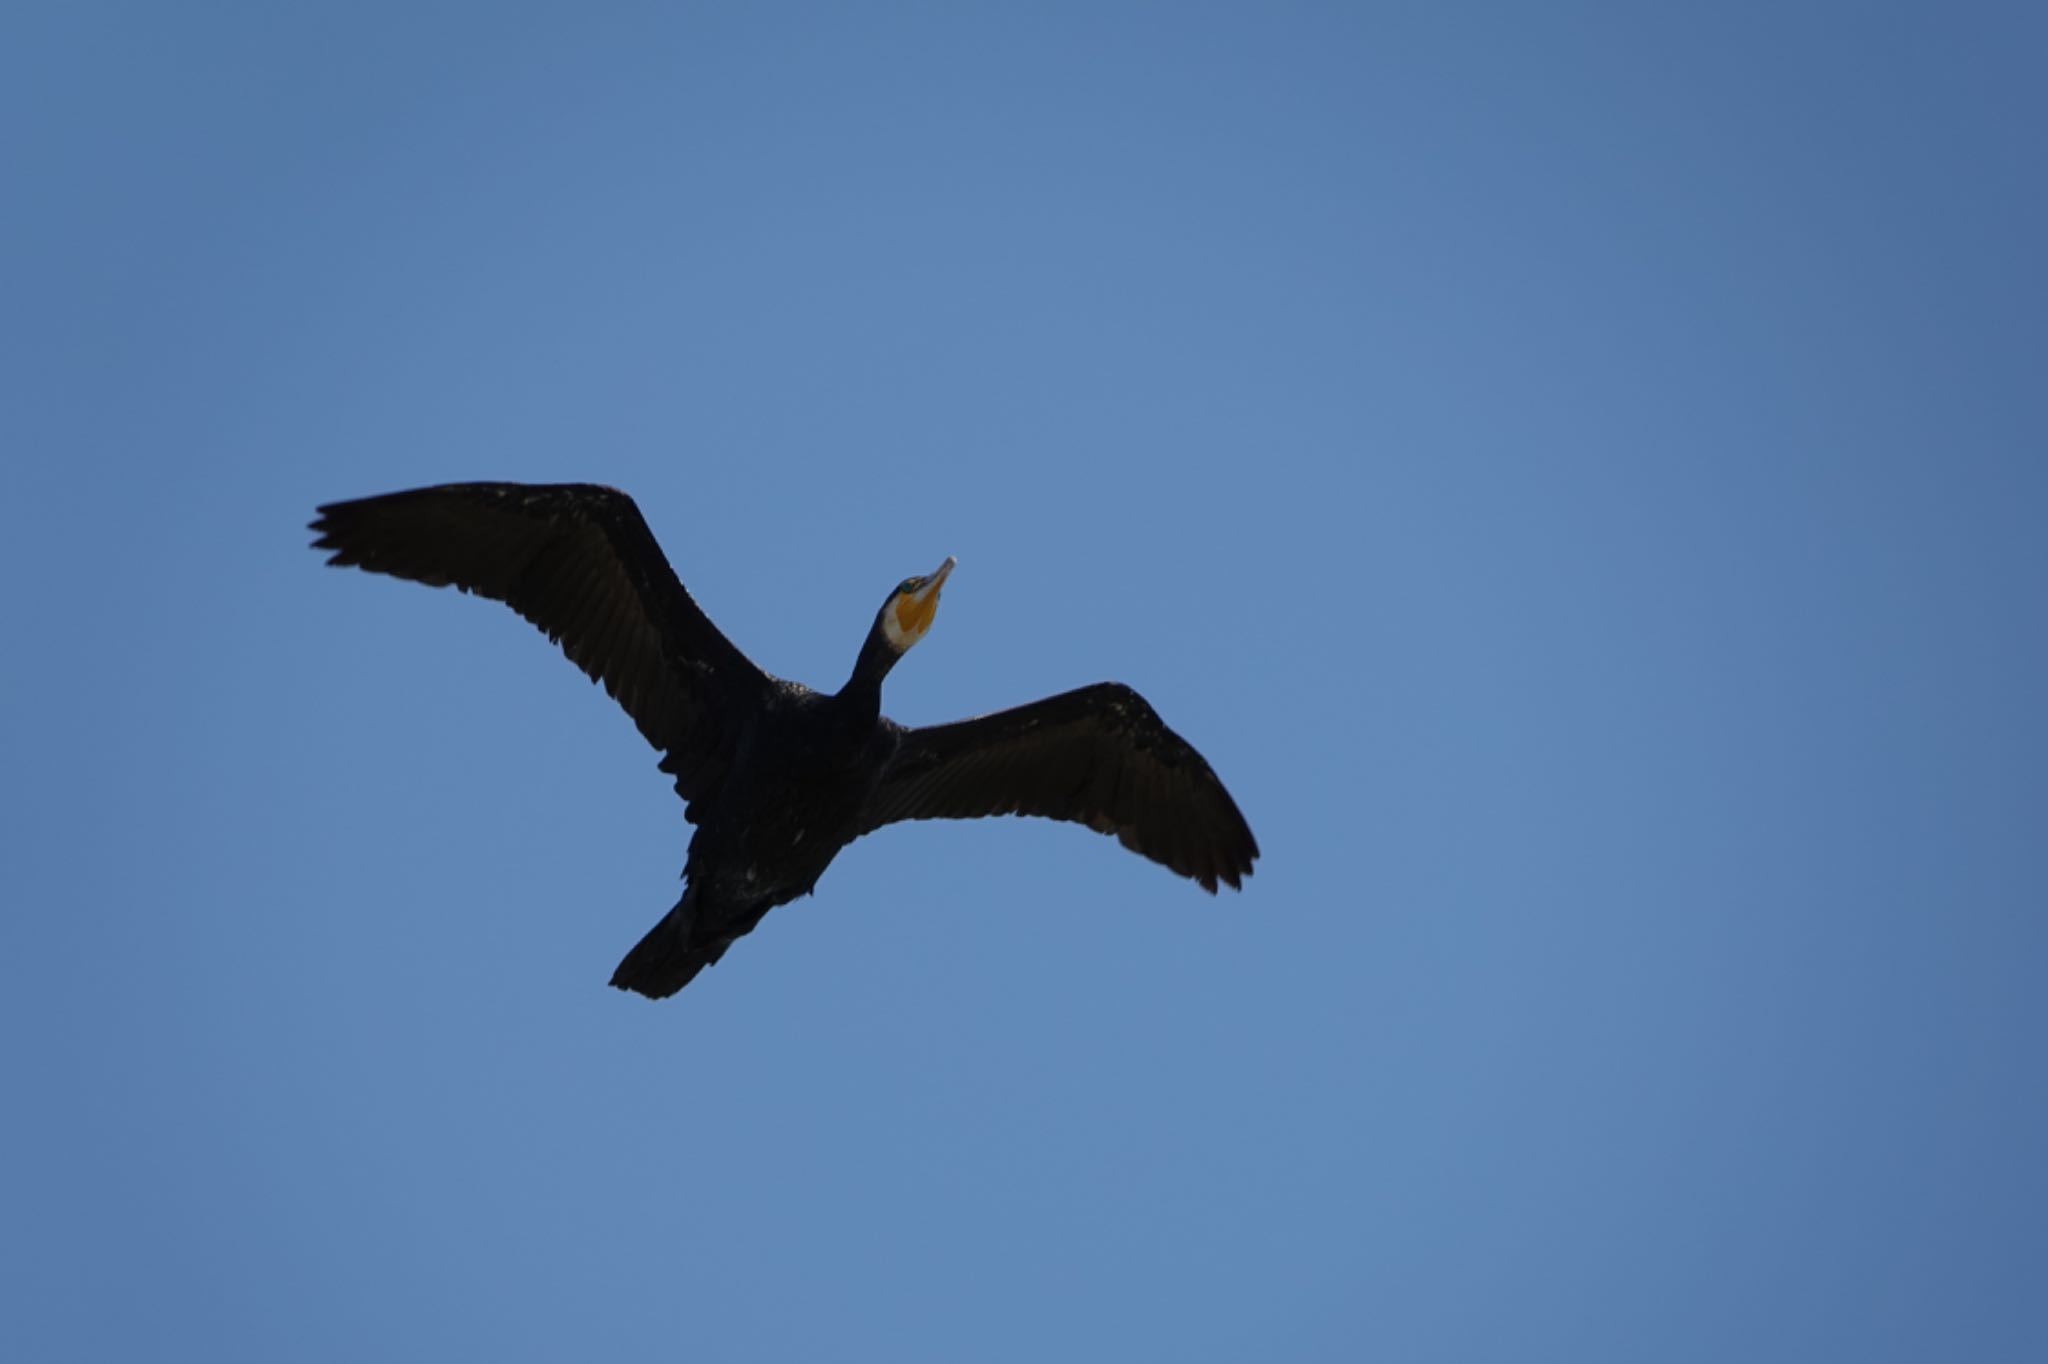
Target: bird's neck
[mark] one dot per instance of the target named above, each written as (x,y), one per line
(864,688)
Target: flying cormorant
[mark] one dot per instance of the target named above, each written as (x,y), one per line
(777,777)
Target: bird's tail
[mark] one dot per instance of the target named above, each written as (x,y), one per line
(670,956)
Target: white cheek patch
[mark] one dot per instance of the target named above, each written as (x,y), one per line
(892,630)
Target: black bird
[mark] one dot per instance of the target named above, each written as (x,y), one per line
(777,777)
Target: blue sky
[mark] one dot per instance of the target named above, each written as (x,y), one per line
(1577,472)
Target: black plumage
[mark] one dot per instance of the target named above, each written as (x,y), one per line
(777,777)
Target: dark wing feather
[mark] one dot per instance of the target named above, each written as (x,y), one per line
(1099,756)
(579,562)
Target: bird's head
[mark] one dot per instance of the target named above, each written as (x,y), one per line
(908,612)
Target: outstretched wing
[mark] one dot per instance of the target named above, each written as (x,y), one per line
(579,562)
(1099,756)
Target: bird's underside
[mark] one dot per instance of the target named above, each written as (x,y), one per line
(777,777)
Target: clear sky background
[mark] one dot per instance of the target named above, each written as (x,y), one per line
(1578,474)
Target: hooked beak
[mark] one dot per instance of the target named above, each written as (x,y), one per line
(930,591)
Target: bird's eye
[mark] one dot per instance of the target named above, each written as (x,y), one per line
(910,585)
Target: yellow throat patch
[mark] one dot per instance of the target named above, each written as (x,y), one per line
(914,617)
(910,613)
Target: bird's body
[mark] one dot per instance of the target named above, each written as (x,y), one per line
(803,767)
(778,777)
